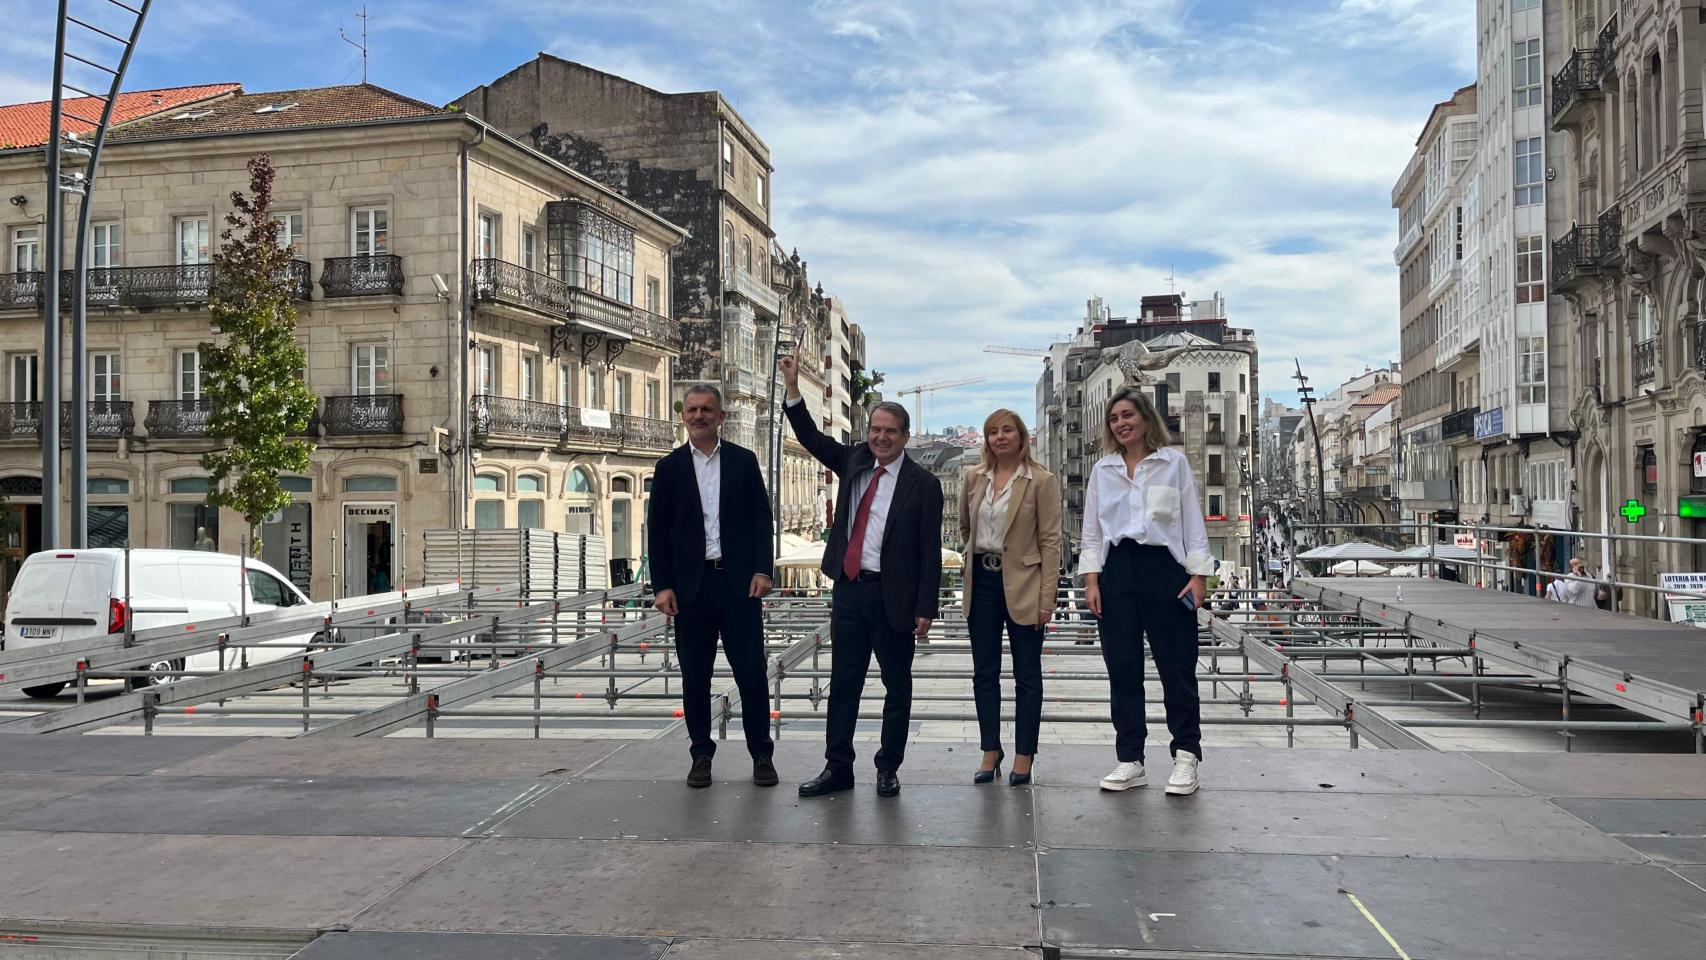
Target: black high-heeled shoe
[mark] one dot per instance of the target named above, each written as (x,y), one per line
(988,776)
(1017,779)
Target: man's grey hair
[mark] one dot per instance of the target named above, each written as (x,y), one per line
(715,391)
(899,414)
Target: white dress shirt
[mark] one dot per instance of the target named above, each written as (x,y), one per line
(989,532)
(1159,505)
(871,556)
(708,470)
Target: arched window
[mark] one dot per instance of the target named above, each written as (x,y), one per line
(746,254)
(488,483)
(580,516)
(728,249)
(621,485)
(530,511)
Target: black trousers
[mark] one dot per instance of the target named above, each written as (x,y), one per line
(859,627)
(986,619)
(722,608)
(1140,587)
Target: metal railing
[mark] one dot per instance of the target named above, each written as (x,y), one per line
(1217,478)
(20,289)
(498,281)
(176,285)
(645,432)
(371,276)
(755,290)
(1606,47)
(1577,254)
(510,417)
(1570,85)
(1216,436)
(178,418)
(371,413)
(1645,361)
(108,419)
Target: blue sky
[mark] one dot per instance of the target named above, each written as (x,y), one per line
(963,173)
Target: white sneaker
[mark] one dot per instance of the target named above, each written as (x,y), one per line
(1183,782)
(1125,776)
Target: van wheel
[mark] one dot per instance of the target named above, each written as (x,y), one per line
(45,691)
(161,671)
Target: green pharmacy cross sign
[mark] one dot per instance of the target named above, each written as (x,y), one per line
(1633,511)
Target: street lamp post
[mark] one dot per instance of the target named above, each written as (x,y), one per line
(1303,391)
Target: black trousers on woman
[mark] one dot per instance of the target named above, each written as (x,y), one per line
(1140,587)
(986,619)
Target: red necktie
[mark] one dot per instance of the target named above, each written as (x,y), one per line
(856,542)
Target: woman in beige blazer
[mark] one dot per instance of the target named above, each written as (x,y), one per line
(1010,522)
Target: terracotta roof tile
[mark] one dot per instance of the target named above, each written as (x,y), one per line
(312,107)
(27,124)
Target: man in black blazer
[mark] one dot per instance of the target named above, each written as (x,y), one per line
(708,534)
(885,557)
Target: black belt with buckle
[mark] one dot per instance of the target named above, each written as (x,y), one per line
(990,562)
(866,576)
(716,564)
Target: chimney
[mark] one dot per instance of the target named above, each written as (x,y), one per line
(158,99)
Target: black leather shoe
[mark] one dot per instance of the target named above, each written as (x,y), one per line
(988,776)
(888,784)
(700,775)
(764,772)
(827,782)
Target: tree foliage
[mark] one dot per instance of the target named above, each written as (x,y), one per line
(252,374)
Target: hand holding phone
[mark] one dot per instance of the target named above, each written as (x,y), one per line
(1189,600)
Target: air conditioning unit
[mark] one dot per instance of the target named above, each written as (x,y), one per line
(1519,504)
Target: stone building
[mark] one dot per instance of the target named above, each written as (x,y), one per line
(1429,257)
(487,329)
(1201,373)
(1628,254)
(691,159)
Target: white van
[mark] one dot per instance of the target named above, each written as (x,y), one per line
(62,595)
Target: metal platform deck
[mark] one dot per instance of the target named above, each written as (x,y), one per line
(1649,667)
(568,849)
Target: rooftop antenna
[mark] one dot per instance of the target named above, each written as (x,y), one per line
(362,46)
(1170,278)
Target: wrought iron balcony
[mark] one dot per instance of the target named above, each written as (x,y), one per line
(1581,253)
(498,281)
(371,413)
(108,420)
(1574,87)
(178,418)
(1216,436)
(1607,47)
(1645,361)
(20,290)
(646,433)
(1459,423)
(372,276)
(183,284)
(1217,478)
(509,417)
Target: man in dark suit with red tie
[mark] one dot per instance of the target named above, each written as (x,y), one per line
(885,558)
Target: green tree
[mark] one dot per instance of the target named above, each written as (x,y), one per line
(252,375)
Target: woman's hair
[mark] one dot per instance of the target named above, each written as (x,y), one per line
(1155,432)
(995,420)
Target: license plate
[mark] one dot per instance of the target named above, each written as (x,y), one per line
(37,633)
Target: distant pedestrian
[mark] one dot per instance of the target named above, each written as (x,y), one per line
(1578,592)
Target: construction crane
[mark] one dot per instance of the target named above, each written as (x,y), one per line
(1017,351)
(919,391)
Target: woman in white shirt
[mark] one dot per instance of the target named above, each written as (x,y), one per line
(1144,559)
(1010,522)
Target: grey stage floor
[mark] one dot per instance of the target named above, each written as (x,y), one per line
(564,850)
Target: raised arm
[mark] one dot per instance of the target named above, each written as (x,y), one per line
(828,452)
